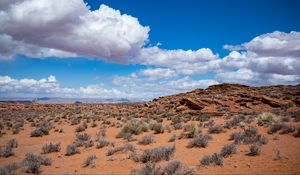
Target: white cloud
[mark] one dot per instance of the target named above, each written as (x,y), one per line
(10,87)
(70,26)
(156,73)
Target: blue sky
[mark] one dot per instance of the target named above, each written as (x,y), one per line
(147,62)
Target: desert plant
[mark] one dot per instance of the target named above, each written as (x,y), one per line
(51,147)
(147,139)
(82,127)
(175,167)
(172,138)
(297,134)
(132,128)
(72,149)
(215,159)
(275,127)
(13,143)
(6,151)
(102,142)
(158,128)
(6,170)
(90,161)
(215,129)
(228,149)
(287,129)
(124,148)
(249,136)
(157,154)
(254,149)
(267,117)
(33,162)
(200,141)
(148,168)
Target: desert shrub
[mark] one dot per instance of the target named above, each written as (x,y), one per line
(51,147)
(235,121)
(6,151)
(215,129)
(72,149)
(254,149)
(175,167)
(147,139)
(177,126)
(90,161)
(13,143)
(32,163)
(75,121)
(297,134)
(148,168)
(158,128)
(157,154)
(124,148)
(286,119)
(16,128)
(6,170)
(43,129)
(133,127)
(102,142)
(287,129)
(215,159)
(274,128)
(172,138)
(82,127)
(203,118)
(228,150)
(190,131)
(267,117)
(83,140)
(200,141)
(249,136)
(94,124)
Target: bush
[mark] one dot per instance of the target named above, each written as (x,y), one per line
(172,138)
(228,150)
(147,139)
(274,128)
(287,129)
(254,149)
(132,128)
(6,170)
(83,140)
(81,127)
(72,149)
(190,131)
(215,129)
(157,154)
(147,169)
(267,117)
(249,136)
(90,161)
(6,151)
(215,159)
(102,142)
(175,167)
(13,143)
(158,128)
(200,141)
(51,147)
(124,148)
(33,162)
(43,129)
(297,134)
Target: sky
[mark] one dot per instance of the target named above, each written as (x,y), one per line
(145,49)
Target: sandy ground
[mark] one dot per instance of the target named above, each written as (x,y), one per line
(239,163)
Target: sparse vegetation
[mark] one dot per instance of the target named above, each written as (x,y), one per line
(124,148)
(90,161)
(215,129)
(72,149)
(254,149)
(228,150)
(215,159)
(32,163)
(146,140)
(51,147)
(200,141)
(157,154)
(133,127)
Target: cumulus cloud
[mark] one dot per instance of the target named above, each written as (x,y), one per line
(71,27)
(10,87)
(156,73)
